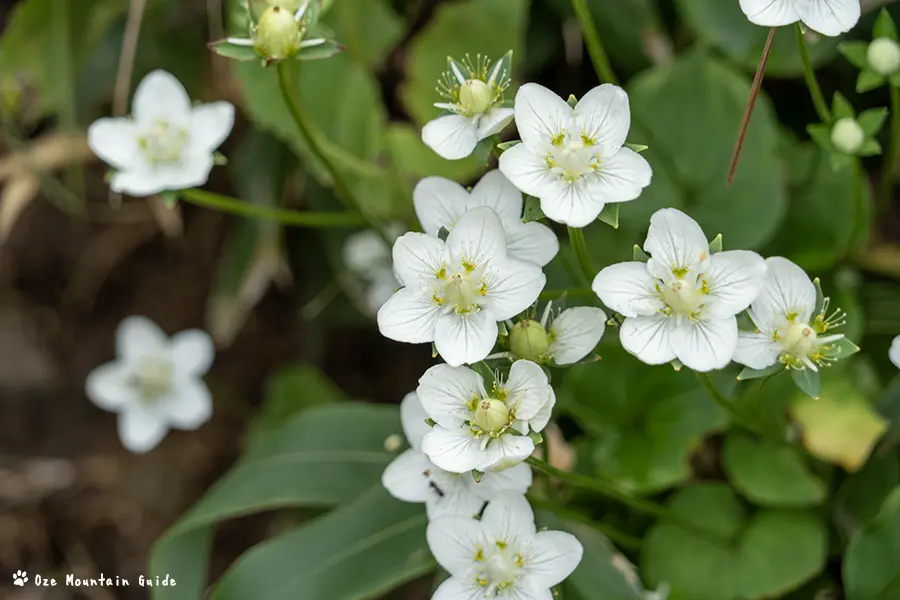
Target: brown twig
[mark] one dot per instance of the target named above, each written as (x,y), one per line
(751,102)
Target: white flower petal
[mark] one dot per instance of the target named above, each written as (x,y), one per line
(705,344)
(409,316)
(456,450)
(540,420)
(509,517)
(787,290)
(675,242)
(627,288)
(141,428)
(575,332)
(109,388)
(457,500)
(541,115)
(514,479)
(603,115)
(439,203)
(495,191)
(735,278)
(161,96)
(512,286)
(830,17)
(756,350)
(647,337)
(574,204)
(527,389)
(459,589)
(623,176)
(190,406)
(477,237)
(505,452)
(771,13)
(452,137)
(412,419)
(894,352)
(136,337)
(533,242)
(210,125)
(454,542)
(192,351)
(527,170)
(365,251)
(138,183)
(380,291)
(445,392)
(465,338)
(494,121)
(417,258)
(405,478)
(553,557)
(114,141)
(530,590)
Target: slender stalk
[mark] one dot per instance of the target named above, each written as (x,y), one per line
(576,237)
(592,40)
(284,216)
(726,404)
(751,102)
(814,90)
(890,158)
(622,539)
(306,130)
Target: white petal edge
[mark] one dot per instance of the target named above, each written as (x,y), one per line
(190,406)
(735,277)
(445,391)
(455,450)
(787,289)
(412,419)
(541,115)
(512,286)
(527,170)
(210,125)
(193,351)
(478,237)
(756,350)
(528,389)
(114,141)
(830,17)
(107,386)
(554,556)
(409,316)
(495,191)
(627,288)
(452,137)
(509,516)
(136,337)
(675,242)
(706,344)
(417,258)
(161,96)
(465,338)
(647,337)
(404,478)
(576,331)
(439,202)
(454,542)
(141,428)
(604,116)
(771,13)
(532,242)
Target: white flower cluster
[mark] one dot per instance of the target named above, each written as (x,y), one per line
(828,17)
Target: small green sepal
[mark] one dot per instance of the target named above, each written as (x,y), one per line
(636,147)
(443,232)
(840,349)
(841,107)
(572,100)
(808,381)
(504,146)
(477,475)
(715,246)
(532,210)
(639,255)
(884,26)
(610,215)
(169,198)
(747,373)
(234,51)
(536,437)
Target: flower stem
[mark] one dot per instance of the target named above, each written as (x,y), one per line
(301,119)
(814,90)
(720,399)
(599,486)
(592,40)
(890,158)
(283,216)
(579,246)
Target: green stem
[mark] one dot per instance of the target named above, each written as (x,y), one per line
(592,40)
(599,486)
(720,399)
(306,131)
(814,90)
(890,158)
(622,539)
(282,215)
(61,25)
(579,246)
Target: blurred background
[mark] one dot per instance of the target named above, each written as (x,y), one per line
(290,319)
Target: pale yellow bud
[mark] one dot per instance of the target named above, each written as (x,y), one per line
(476,97)
(277,34)
(883,56)
(528,340)
(491,415)
(847,135)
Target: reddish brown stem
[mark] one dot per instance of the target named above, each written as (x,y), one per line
(751,102)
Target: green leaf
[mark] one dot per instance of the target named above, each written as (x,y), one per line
(872,120)
(868,80)
(770,475)
(321,51)
(855,52)
(860,496)
(638,254)
(378,540)
(871,569)
(288,392)
(840,162)
(841,107)
(414,160)
(884,26)
(747,373)
(610,215)
(235,51)
(532,210)
(808,381)
(869,148)
(821,135)
(715,552)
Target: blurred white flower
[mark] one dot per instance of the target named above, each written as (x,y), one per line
(440,203)
(828,17)
(155,382)
(474,92)
(894,352)
(883,56)
(166,144)
(847,135)
(574,160)
(502,555)
(476,429)
(682,303)
(788,328)
(412,477)
(561,340)
(369,258)
(455,291)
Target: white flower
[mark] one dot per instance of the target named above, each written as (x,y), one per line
(411,477)
(789,330)
(682,303)
(883,56)
(155,382)
(474,93)
(480,430)
(894,352)
(563,340)
(167,144)
(502,555)
(366,255)
(828,17)
(574,159)
(456,290)
(440,203)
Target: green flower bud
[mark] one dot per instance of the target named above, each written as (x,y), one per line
(528,340)
(258,7)
(491,415)
(277,34)
(883,56)
(847,135)
(476,96)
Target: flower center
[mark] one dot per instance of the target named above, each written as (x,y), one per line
(684,298)
(571,160)
(463,290)
(163,143)
(492,415)
(153,378)
(500,570)
(475,97)
(799,340)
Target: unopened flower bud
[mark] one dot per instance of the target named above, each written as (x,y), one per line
(277,33)
(476,96)
(847,135)
(528,340)
(883,56)
(258,7)
(491,415)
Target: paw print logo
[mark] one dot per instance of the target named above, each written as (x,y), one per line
(20,578)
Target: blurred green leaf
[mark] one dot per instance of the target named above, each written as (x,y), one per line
(871,569)
(414,160)
(291,390)
(884,26)
(808,381)
(356,552)
(715,552)
(861,495)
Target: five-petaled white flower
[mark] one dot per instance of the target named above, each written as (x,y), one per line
(502,555)
(440,203)
(456,290)
(682,303)
(894,352)
(574,160)
(474,93)
(155,382)
(367,255)
(828,17)
(788,329)
(412,477)
(476,429)
(167,144)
